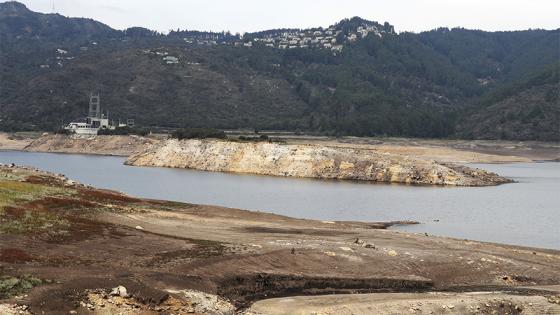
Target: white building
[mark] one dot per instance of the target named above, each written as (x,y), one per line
(94,121)
(81,128)
(337,48)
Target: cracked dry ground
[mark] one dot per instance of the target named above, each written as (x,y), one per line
(64,246)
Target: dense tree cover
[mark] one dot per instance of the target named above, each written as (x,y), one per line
(504,56)
(431,84)
(549,75)
(198,133)
(524,110)
(124,131)
(218,36)
(18,23)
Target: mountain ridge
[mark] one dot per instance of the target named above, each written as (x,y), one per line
(339,80)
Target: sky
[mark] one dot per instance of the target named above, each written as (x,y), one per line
(254,15)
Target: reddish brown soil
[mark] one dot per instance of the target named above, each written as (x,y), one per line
(106,196)
(14,255)
(43,179)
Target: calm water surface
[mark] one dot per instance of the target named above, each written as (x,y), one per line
(524,213)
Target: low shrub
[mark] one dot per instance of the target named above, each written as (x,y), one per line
(198,133)
(123,131)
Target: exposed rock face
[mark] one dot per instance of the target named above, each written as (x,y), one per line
(313,161)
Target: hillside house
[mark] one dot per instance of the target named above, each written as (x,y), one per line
(170,60)
(337,48)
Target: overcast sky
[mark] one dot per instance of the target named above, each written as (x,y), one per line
(253,15)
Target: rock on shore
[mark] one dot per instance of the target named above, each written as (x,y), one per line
(312,161)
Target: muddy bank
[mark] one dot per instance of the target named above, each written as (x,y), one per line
(311,161)
(104,145)
(73,245)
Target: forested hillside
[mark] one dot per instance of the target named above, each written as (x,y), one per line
(522,110)
(442,83)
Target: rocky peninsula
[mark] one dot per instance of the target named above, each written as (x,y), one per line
(309,161)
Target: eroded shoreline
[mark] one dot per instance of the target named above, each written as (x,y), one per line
(412,161)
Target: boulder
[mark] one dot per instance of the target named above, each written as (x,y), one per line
(119,291)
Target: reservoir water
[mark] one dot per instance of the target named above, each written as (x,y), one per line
(523,213)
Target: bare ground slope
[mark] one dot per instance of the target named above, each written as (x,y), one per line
(73,244)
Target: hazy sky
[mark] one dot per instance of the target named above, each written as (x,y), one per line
(253,15)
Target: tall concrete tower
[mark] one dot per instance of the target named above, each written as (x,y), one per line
(94,106)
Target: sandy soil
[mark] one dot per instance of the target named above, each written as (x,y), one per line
(14,142)
(172,256)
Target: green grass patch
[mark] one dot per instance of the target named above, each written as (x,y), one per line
(12,286)
(13,192)
(13,174)
(33,221)
(15,218)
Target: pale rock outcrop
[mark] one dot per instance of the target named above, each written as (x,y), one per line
(312,161)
